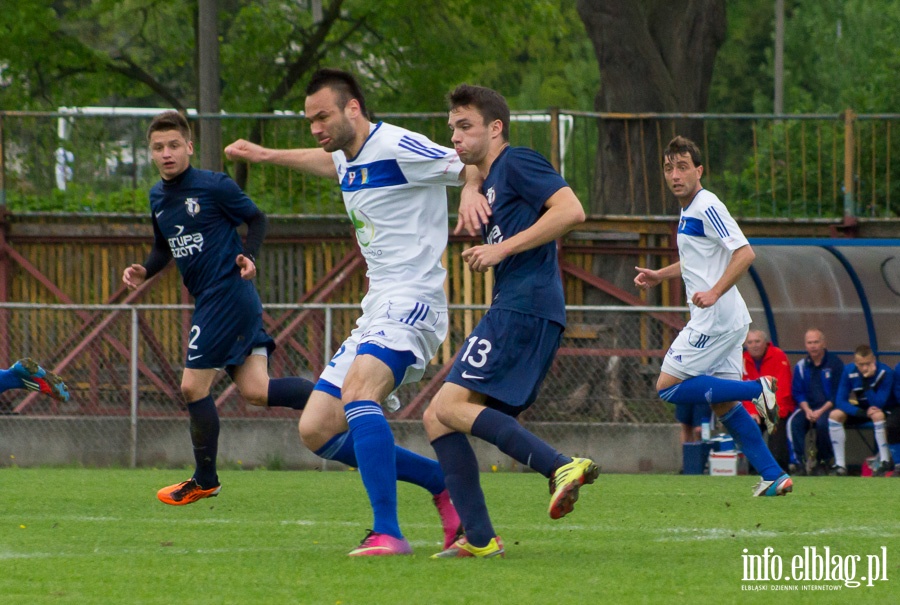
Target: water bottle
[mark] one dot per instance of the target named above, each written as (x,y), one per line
(704,431)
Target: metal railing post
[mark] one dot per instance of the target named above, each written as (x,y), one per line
(849,154)
(555,153)
(327,354)
(134,387)
(2,166)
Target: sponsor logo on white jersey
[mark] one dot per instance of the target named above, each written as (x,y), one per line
(365,229)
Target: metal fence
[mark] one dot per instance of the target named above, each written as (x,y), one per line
(761,165)
(124,361)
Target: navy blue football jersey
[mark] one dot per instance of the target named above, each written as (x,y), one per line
(518,185)
(196,214)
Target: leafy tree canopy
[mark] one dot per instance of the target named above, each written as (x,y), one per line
(837,54)
(408,54)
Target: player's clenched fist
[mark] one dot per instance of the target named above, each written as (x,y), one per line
(134,276)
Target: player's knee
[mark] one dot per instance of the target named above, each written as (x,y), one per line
(307,435)
(837,416)
(433,426)
(440,409)
(192,393)
(313,435)
(257,397)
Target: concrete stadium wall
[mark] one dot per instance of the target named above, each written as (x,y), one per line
(274,443)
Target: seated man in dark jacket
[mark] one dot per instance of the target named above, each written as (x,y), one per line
(813,387)
(865,390)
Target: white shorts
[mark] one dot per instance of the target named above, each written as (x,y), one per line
(695,354)
(399,325)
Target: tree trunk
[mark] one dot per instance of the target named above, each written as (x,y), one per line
(654,56)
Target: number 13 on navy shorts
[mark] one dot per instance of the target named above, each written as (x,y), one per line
(506,358)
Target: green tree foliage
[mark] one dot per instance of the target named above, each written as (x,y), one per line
(127,52)
(142,53)
(838,54)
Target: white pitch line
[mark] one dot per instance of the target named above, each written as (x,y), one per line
(689,534)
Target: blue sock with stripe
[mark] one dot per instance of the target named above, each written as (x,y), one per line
(373,444)
(457,459)
(517,442)
(749,440)
(709,389)
(9,380)
(411,467)
(205,439)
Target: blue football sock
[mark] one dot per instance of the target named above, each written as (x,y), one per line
(411,467)
(9,380)
(289,392)
(339,448)
(373,444)
(708,389)
(205,438)
(749,440)
(457,459)
(515,441)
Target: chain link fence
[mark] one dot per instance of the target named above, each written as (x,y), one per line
(123,364)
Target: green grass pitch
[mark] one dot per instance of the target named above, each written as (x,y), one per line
(271,537)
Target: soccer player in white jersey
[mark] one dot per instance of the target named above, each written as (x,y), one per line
(704,363)
(393,183)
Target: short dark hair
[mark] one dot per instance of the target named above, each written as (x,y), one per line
(864,351)
(489,103)
(170,120)
(341,82)
(680,145)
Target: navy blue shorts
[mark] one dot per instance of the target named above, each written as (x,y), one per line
(226,326)
(506,357)
(693,415)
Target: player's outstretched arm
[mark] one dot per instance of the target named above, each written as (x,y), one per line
(314,161)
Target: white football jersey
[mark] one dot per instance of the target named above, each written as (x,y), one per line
(395,193)
(707,236)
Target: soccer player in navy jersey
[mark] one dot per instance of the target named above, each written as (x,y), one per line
(195,217)
(498,372)
(704,365)
(393,182)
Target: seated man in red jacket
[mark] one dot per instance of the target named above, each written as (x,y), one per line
(762,358)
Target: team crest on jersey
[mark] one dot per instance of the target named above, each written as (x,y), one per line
(192,206)
(491,196)
(363,176)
